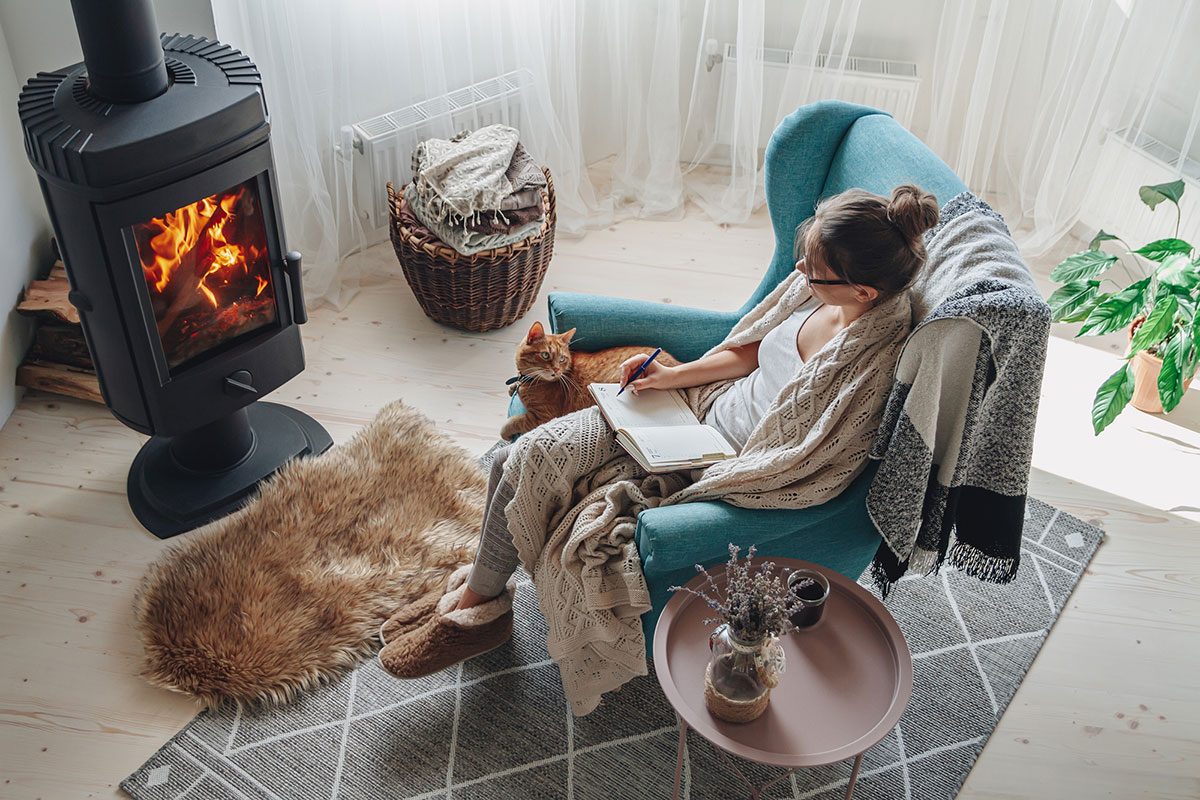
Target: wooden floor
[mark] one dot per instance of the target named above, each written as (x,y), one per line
(1110,708)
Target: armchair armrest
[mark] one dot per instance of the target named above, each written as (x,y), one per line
(686,333)
(671,538)
(675,537)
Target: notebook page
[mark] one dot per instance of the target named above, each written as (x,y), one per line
(676,444)
(652,407)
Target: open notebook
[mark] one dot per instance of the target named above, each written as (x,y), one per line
(659,430)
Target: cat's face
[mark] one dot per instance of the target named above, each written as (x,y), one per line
(544,356)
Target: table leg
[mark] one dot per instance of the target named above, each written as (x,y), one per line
(771,783)
(683,728)
(853,775)
(754,792)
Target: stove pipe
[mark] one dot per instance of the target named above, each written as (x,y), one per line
(121,48)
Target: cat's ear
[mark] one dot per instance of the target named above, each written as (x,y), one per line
(566,337)
(535,333)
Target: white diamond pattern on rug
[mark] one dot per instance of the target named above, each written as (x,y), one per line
(158,775)
(498,726)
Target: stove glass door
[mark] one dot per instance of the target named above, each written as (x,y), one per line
(208,274)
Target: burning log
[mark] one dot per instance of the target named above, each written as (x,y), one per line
(186,278)
(185,285)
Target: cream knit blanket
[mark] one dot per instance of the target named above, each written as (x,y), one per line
(577,493)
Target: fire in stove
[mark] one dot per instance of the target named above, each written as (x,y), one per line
(207,270)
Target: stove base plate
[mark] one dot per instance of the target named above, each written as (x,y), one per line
(169,499)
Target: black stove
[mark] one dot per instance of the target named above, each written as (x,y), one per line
(154,158)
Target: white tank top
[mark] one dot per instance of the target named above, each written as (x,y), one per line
(736,412)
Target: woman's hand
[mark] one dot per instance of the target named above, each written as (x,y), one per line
(655,376)
(737,362)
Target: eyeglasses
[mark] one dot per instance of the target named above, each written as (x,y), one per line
(819,281)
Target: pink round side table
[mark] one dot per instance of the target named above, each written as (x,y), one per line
(848,680)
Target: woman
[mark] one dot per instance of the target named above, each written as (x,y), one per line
(799,386)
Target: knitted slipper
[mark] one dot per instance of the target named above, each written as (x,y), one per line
(451,635)
(417,613)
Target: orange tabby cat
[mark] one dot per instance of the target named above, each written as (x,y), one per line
(553,378)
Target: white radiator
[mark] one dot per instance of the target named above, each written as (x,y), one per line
(890,86)
(1112,202)
(380,148)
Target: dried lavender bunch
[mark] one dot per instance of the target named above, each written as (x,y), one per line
(755,603)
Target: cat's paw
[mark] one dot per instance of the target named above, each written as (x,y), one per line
(514,425)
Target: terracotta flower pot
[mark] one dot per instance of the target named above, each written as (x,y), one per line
(1145,381)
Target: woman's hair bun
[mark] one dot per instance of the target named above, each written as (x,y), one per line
(913,210)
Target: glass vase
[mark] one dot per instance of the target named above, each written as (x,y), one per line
(740,675)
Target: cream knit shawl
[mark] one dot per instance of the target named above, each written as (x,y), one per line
(577,494)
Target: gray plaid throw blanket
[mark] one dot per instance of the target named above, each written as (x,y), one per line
(955,454)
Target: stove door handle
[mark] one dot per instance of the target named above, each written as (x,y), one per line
(291,264)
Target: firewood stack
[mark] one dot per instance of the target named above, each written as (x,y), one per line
(58,361)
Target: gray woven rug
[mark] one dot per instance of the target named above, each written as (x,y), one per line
(498,725)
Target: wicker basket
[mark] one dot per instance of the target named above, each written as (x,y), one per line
(479,292)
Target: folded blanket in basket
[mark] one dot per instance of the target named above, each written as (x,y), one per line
(463,239)
(505,221)
(524,173)
(484,170)
(466,176)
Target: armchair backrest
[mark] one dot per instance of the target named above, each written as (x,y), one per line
(824,148)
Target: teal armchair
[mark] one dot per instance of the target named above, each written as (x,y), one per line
(819,150)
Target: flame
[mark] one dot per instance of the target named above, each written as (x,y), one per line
(180,232)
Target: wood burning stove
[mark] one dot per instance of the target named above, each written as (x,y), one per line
(155,162)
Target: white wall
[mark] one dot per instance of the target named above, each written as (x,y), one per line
(23,229)
(41,33)
(41,36)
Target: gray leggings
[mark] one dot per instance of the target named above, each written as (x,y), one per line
(496,559)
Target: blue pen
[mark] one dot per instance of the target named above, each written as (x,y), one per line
(640,370)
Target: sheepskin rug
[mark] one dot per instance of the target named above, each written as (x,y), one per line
(291,589)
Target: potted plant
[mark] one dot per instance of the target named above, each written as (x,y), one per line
(746,661)
(1158,310)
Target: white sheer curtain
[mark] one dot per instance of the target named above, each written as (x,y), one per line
(623,80)
(805,33)
(1028,96)
(1017,96)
